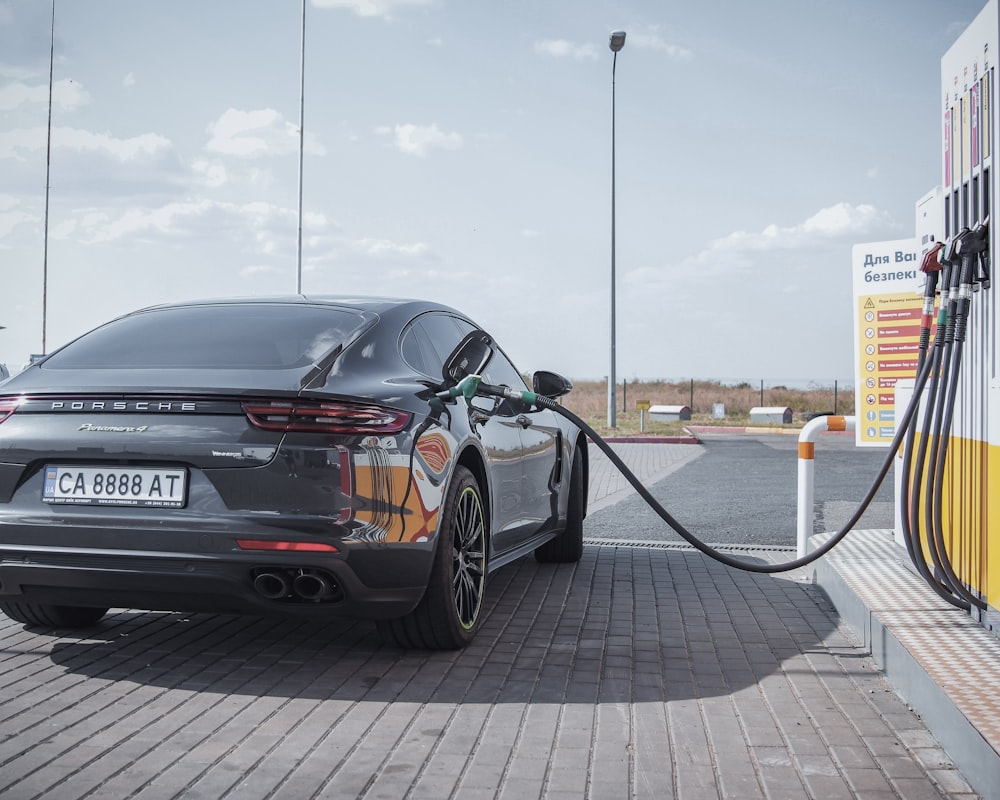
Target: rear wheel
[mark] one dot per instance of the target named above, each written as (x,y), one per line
(448,616)
(568,545)
(47,616)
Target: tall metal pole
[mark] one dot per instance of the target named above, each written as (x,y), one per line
(48,168)
(616,43)
(302,107)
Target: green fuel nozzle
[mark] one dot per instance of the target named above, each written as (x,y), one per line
(468,387)
(472,385)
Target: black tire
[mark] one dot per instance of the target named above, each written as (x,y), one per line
(449,614)
(45,616)
(567,547)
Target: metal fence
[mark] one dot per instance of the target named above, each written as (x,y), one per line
(725,396)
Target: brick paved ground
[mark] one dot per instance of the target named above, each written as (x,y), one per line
(650,462)
(639,672)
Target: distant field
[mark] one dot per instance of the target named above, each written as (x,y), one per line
(589,400)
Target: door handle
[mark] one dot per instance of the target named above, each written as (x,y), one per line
(523,421)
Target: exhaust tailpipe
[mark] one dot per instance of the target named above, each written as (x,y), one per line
(312,586)
(272,585)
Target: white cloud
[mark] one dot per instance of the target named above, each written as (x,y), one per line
(261,271)
(419,140)
(837,222)
(144,146)
(166,219)
(383,248)
(212,173)
(88,165)
(561,48)
(370,8)
(249,134)
(843,219)
(67,95)
(129,80)
(18,142)
(261,132)
(10,219)
(778,298)
(259,222)
(650,39)
(773,251)
(263,230)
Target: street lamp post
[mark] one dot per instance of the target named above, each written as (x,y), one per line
(302,133)
(616,43)
(48,170)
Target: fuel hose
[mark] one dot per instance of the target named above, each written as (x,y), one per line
(471,385)
(959,259)
(939,260)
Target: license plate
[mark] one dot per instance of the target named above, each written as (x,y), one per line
(115,486)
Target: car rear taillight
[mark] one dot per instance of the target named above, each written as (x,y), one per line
(349,418)
(8,407)
(297,547)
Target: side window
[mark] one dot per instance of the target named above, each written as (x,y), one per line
(429,340)
(500,372)
(416,349)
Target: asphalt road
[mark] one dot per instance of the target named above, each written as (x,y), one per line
(743,490)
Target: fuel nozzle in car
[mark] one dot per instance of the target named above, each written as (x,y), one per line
(468,388)
(472,386)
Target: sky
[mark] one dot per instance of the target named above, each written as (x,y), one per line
(461,151)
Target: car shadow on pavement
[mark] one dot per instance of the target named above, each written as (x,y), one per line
(625,624)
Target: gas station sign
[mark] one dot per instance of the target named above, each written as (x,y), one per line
(888,303)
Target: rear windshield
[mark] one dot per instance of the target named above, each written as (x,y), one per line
(213,337)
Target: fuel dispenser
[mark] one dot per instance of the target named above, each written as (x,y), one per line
(951,460)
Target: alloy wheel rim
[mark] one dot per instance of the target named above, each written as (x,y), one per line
(469,558)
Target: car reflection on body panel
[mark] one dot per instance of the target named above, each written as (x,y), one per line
(311,471)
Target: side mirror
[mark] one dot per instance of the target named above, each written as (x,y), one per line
(470,357)
(550,384)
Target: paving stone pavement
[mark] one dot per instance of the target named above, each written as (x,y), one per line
(642,671)
(650,463)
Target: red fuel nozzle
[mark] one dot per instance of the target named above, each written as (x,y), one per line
(931,263)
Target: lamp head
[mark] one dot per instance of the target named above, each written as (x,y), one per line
(617,41)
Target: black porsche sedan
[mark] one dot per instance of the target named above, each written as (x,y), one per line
(280,455)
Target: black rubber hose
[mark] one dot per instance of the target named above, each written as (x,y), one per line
(719,556)
(933,428)
(931,267)
(943,434)
(940,355)
(937,499)
(915,515)
(909,504)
